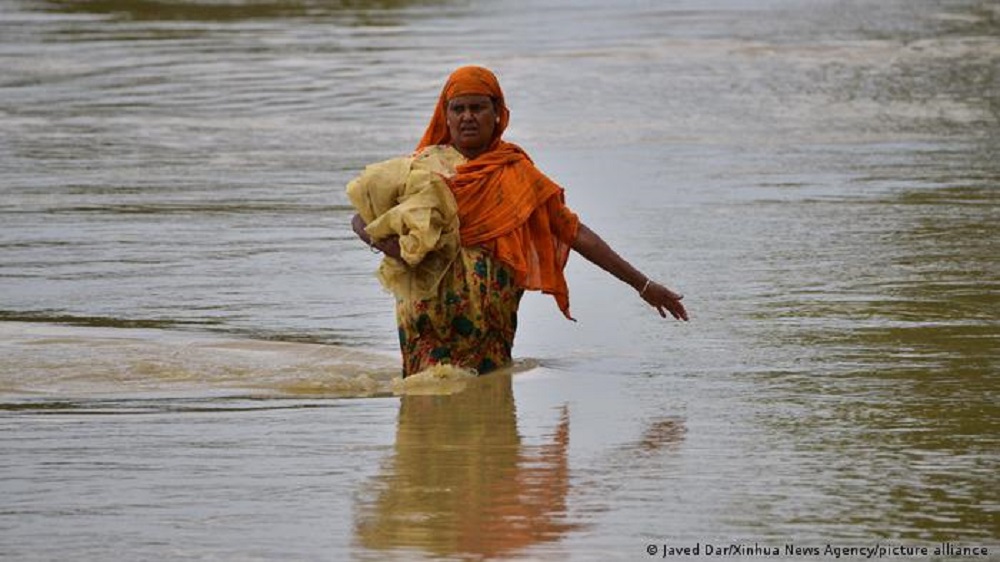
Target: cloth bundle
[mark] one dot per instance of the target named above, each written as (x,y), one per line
(408,197)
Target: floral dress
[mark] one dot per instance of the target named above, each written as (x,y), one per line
(470,323)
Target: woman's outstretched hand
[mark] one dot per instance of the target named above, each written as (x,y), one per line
(664,300)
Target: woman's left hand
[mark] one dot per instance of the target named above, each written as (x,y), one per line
(664,300)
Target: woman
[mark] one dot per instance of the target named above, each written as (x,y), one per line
(515,230)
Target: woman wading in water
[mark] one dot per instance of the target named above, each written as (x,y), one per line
(514,233)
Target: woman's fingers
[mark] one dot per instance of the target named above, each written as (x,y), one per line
(662,298)
(679,311)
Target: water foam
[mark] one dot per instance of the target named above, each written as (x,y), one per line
(44,360)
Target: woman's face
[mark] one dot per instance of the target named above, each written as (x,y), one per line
(471,122)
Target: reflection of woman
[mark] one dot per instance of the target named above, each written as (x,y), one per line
(461,481)
(515,232)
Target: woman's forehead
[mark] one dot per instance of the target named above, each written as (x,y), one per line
(466,99)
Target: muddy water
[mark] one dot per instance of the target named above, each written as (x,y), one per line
(197,362)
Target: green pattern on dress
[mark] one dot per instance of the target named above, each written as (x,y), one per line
(470,323)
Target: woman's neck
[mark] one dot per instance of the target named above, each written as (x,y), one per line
(471,153)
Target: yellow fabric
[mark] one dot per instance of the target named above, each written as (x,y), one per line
(409,197)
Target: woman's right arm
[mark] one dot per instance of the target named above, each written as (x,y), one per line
(389,246)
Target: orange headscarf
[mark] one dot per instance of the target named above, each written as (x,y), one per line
(504,202)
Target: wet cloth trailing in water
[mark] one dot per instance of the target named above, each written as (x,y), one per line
(408,197)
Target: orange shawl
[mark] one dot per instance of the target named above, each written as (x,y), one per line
(505,203)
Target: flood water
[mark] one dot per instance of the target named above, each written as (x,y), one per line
(197,363)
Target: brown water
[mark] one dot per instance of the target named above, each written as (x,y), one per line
(196,362)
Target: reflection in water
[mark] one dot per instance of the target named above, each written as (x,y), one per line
(463,482)
(664,434)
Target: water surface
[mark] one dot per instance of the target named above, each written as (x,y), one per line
(197,361)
